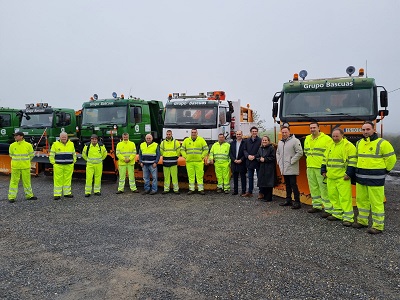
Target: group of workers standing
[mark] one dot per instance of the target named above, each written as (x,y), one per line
(332,164)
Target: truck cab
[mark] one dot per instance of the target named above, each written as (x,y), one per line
(210,115)
(42,125)
(343,101)
(110,118)
(9,120)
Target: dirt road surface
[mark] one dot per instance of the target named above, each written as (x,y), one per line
(134,246)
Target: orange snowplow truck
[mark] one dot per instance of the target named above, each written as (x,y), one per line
(345,102)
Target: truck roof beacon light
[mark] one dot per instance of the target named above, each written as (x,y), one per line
(350,70)
(295,77)
(114,94)
(95,96)
(303,74)
(361,72)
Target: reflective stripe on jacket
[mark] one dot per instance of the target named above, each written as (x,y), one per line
(314,149)
(375,158)
(340,157)
(126,149)
(62,154)
(220,152)
(170,150)
(194,151)
(21,155)
(149,154)
(95,155)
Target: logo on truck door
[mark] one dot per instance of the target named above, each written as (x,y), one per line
(137,128)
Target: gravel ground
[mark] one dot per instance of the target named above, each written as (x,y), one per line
(132,246)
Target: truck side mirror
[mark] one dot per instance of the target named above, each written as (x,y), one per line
(384,98)
(383,112)
(274,109)
(228,116)
(276,97)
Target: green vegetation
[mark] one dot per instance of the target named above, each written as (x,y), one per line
(395,141)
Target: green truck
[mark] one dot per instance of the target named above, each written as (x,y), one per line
(42,125)
(110,118)
(9,120)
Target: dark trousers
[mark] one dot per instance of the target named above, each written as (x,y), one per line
(291,186)
(236,181)
(267,192)
(250,174)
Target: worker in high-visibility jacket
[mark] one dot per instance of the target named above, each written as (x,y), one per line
(21,153)
(62,157)
(126,154)
(170,150)
(315,146)
(149,155)
(94,153)
(339,162)
(219,156)
(194,150)
(375,158)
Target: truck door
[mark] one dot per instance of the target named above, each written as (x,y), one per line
(136,126)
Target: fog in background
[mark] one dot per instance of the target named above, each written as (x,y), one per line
(62,52)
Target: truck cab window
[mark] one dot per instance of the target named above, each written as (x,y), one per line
(222,115)
(136,114)
(5,120)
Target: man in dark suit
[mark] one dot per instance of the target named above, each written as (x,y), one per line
(238,163)
(251,146)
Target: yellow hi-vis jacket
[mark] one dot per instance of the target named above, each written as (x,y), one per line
(220,152)
(95,155)
(375,158)
(62,154)
(170,150)
(194,151)
(21,155)
(314,149)
(126,149)
(149,153)
(340,157)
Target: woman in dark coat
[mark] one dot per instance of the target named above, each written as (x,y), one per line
(266,174)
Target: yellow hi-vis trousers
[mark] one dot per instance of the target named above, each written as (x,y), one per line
(195,171)
(122,177)
(370,200)
(169,172)
(339,191)
(16,175)
(318,190)
(62,178)
(222,171)
(93,170)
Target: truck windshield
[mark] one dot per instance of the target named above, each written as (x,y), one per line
(357,103)
(190,117)
(104,115)
(37,120)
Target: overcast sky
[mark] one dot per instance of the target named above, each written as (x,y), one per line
(62,52)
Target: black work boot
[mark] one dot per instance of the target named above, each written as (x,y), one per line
(296,205)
